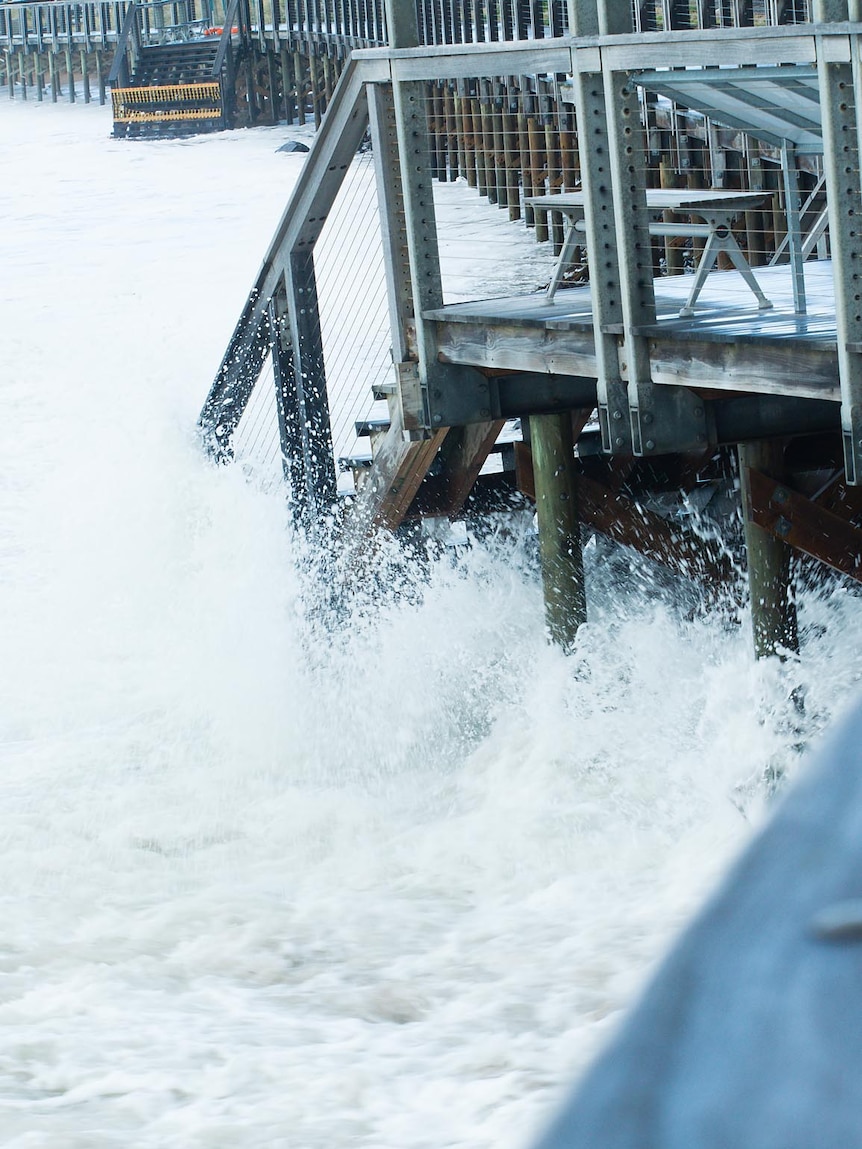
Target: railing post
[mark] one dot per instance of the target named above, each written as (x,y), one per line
(660,420)
(319,489)
(441,390)
(287,405)
(414,215)
(840,88)
(601,232)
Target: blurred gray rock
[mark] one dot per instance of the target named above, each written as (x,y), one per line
(750,1036)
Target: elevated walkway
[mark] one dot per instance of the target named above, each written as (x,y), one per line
(670,395)
(175,78)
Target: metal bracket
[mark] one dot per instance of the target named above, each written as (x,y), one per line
(460,395)
(841,132)
(667,420)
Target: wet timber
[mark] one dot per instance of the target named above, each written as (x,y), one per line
(670,393)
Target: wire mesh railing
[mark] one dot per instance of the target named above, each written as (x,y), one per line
(512,138)
(256,442)
(354,310)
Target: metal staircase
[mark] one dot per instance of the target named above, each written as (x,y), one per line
(174,74)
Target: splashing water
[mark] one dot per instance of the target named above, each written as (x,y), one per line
(380,879)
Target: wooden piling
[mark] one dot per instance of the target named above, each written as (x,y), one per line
(100,74)
(559,526)
(466,157)
(500,175)
(487,121)
(773,610)
(70,72)
(512,158)
(299,87)
(85,75)
(287,85)
(479,143)
(537,178)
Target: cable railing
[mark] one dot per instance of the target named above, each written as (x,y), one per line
(349,24)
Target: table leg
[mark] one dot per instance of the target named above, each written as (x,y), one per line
(563,261)
(728,243)
(710,255)
(794,227)
(721,238)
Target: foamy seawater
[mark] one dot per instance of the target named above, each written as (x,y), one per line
(384,877)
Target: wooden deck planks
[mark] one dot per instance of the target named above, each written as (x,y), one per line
(727,345)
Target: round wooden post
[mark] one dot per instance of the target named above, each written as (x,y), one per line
(559,526)
(773,611)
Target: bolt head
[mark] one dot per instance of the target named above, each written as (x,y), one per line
(650,445)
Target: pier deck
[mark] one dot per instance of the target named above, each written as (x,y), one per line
(767,402)
(728,345)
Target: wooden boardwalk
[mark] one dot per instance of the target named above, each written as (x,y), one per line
(726,346)
(767,402)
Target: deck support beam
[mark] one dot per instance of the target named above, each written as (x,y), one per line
(773,610)
(286,402)
(601,230)
(841,139)
(319,488)
(640,417)
(555,477)
(444,391)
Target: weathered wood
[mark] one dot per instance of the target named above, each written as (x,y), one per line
(537,175)
(54,78)
(100,74)
(620,518)
(556,483)
(462,457)
(85,75)
(768,368)
(390,196)
(70,75)
(299,86)
(389,487)
(773,609)
(287,85)
(799,522)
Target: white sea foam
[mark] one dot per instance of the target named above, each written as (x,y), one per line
(382,878)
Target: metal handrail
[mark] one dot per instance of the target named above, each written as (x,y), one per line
(231,14)
(129,31)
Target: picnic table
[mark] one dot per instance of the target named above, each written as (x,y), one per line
(717,210)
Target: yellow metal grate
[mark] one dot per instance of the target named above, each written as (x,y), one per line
(182,93)
(139,117)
